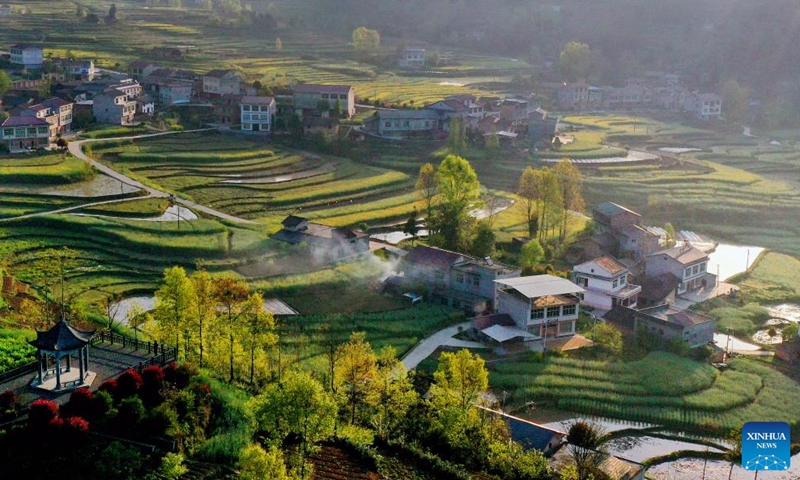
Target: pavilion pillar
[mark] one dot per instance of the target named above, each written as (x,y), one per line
(41,358)
(81,366)
(86,358)
(69,362)
(58,371)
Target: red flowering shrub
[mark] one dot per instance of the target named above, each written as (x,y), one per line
(79,404)
(77,424)
(42,413)
(153,376)
(110,386)
(128,383)
(150,392)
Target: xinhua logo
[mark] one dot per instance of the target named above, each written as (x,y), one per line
(766,446)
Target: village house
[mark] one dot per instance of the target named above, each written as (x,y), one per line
(542,127)
(329,244)
(543,305)
(28,56)
(311,100)
(670,323)
(412,57)
(704,106)
(63,70)
(675,271)
(173,92)
(54,111)
(455,279)
(257,113)
(6,10)
(393,123)
(222,82)
(624,226)
(226,110)
(448,109)
(117,104)
(606,284)
(22,133)
(141,69)
(573,96)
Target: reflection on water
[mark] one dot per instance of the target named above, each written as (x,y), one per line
(639,449)
(728,260)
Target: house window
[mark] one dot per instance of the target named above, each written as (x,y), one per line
(246,108)
(387,124)
(343,97)
(553,312)
(615,284)
(460,277)
(427,124)
(687,273)
(325,95)
(623,280)
(695,269)
(568,310)
(703,267)
(43,130)
(439,275)
(476,280)
(582,281)
(537,313)
(8,132)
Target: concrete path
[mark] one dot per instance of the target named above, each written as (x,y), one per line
(76,149)
(444,337)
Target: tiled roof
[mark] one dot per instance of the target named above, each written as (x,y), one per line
(656,289)
(319,88)
(610,264)
(62,337)
(293,221)
(254,100)
(670,314)
(219,73)
(56,102)
(23,122)
(611,209)
(536,286)
(434,257)
(423,114)
(684,254)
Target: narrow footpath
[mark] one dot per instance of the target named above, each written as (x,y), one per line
(442,338)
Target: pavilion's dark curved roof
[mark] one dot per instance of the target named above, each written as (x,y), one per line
(62,337)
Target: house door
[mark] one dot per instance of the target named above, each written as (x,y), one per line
(256,127)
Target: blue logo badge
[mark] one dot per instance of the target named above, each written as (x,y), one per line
(766,446)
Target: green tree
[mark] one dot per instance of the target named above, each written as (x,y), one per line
(569,186)
(203,307)
(531,255)
(670,234)
(5,82)
(460,379)
(136,318)
(255,463)
(355,371)
(585,442)
(172,466)
(391,396)
(231,294)
(296,406)
(173,303)
(528,191)
(735,101)
(575,61)
(492,144)
(366,41)
(483,240)
(457,136)
(44,89)
(112,13)
(608,338)
(427,188)
(260,325)
(789,332)
(410,227)
(459,189)
(550,201)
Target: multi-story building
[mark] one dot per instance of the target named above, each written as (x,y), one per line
(624,226)
(544,305)
(573,95)
(141,69)
(27,55)
(321,100)
(257,113)
(412,58)
(22,133)
(400,123)
(687,264)
(704,106)
(455,279)
(114,106)
(606,284)
(55,111)
(222,82)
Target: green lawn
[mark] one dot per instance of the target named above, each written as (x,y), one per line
(662,389)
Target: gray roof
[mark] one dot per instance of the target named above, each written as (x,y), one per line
(541,285)
(23,122)
(611,209)
(684,254)
(254,100)
(423,114)
(319,88)
(62,337)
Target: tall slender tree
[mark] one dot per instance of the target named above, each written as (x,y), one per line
(569,185)
(204,307)
(260,330)
(231,294)
(459,191)
(173,301)
(427,188)
(355,371)
(529,193)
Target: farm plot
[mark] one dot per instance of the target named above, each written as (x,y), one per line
(660,389)
(254,181)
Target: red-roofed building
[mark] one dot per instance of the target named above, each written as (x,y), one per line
(55,111)
(605,280)
(23,133)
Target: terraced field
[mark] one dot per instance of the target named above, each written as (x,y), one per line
(264,181)
(660,389)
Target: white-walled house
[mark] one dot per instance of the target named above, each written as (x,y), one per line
(257,113)
(27,55)
(687,264)
(540,304)
(605,281)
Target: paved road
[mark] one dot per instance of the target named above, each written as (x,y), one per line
(76,148)
(444,337)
